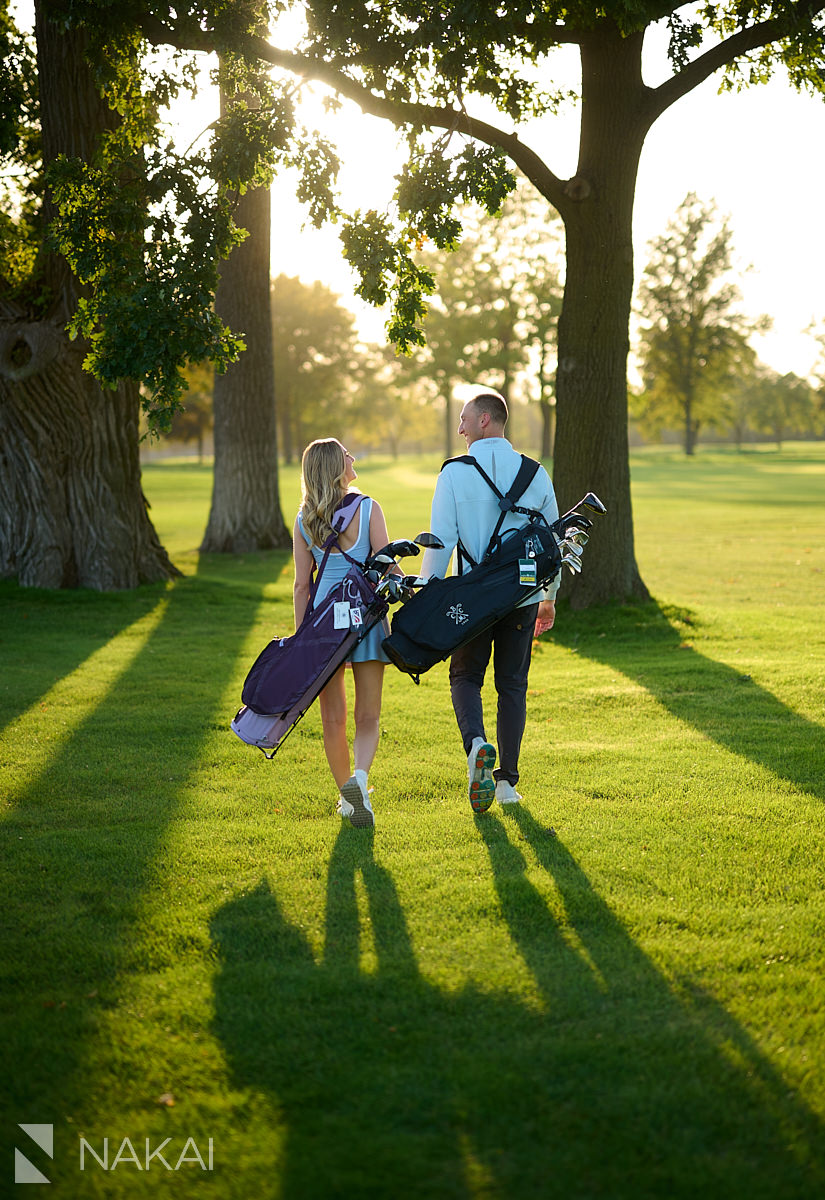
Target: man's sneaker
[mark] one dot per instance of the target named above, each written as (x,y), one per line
(482,787)
(355,802)
(506,793)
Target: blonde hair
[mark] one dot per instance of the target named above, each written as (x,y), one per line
(323,486)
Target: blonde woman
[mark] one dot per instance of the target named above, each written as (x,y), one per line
(327,473)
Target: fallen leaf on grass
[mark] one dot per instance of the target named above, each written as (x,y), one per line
(167,1100)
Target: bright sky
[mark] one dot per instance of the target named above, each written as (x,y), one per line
(759,154)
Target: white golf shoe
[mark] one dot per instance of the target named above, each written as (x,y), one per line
(355,802)
(506,793)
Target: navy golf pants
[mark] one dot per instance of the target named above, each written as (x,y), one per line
(510,641)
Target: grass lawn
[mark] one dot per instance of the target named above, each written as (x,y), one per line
(614,991)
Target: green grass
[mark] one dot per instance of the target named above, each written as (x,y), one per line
(614,991)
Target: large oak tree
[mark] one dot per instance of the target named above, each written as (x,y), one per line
(112,241)
(72,512)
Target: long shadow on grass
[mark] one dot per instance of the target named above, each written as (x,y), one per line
(46,635)
(672,1089)
(387,1085)
(724,704)
(80,841)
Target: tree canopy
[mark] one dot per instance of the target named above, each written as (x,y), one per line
(143,225)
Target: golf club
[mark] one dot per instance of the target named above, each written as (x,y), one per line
(429,541)
(593,502)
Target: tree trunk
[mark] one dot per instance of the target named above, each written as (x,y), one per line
(591,450)
(448,423)
(72,513)
(284,410)
(690,431)
(548,412)
(246,510)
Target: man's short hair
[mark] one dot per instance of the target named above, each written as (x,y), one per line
(492,403)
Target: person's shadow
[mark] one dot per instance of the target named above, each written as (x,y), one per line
(653,645)
(612,1081)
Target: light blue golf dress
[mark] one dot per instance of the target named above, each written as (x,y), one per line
(335,570)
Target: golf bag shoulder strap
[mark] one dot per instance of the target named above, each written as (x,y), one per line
(343,516)
(346,510)
(506,500)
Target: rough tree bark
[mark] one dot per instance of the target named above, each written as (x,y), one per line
(591,443)
(72,513)
(246,511)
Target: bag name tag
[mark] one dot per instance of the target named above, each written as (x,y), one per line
(341,614)
(355,617)
(527,572)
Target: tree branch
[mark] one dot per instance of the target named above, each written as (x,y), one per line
(761,34)
(399,112)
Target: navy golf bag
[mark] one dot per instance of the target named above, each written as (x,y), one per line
(448,613)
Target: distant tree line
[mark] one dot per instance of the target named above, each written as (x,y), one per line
(699,369)
(493,319)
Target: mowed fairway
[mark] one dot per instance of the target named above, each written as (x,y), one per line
(614,991)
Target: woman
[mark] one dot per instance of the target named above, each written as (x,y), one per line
(327,472)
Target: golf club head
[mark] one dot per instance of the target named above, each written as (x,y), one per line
(570,547)
(571,520)
(580,521)
(380,561)
(394,590)
(400,549)
(572,564)
(415,581)
(429,541)
(576,536)
(593,502)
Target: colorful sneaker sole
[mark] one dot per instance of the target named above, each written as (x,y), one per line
(482,785)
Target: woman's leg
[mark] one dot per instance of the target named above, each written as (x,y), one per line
(369,680)
(333,701)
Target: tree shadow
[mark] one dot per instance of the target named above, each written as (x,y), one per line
(81,837)
(35,652)
(651,645)
(389,1085)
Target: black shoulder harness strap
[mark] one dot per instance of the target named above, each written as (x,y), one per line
(506,501)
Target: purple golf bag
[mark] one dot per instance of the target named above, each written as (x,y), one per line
(290,672)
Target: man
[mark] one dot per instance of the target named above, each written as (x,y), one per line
(465,511)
